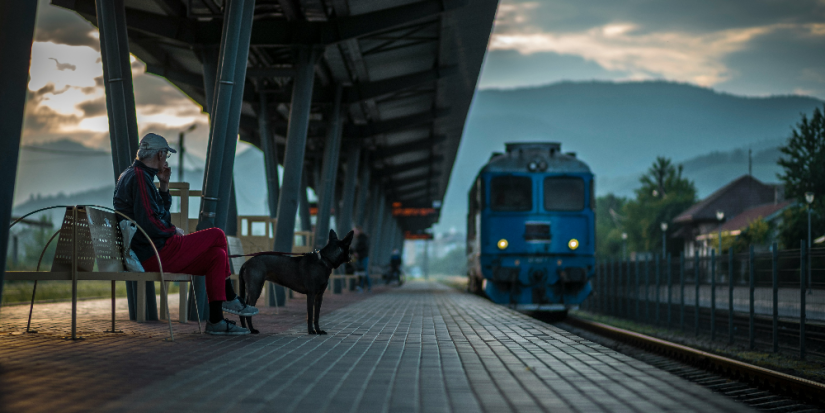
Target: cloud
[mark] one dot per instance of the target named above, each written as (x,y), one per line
(58,25)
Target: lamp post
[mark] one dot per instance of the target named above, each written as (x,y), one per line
(181,150)
(624,245)
(809,198)
(720,216)
(663,225)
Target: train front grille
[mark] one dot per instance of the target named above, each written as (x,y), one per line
(537,231)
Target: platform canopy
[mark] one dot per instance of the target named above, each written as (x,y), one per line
(408,70)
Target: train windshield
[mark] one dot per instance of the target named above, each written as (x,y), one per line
(511,193)
(563,194)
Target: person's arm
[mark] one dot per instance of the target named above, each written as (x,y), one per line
(146,216)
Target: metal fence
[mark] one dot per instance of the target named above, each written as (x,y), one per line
(769,300)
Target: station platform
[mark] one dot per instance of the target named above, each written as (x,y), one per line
(420,348)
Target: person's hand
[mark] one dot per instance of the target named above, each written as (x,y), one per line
(165,173)
(179,231)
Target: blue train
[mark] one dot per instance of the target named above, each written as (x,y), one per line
(531,234)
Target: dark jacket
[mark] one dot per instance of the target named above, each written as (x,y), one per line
(137,198)
(362,246)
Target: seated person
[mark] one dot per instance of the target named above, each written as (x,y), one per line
(199,253)
(395,262)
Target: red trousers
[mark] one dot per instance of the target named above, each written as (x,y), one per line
(199,253)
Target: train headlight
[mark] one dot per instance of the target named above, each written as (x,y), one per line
(573,244)
(532,166)
(502,244)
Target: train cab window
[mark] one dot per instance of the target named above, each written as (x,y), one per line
(563,194)
(511,193)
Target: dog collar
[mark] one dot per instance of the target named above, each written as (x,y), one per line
(323,259)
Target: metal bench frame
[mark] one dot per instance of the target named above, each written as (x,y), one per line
(78,271)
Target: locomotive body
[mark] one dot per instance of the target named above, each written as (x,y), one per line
(531,228)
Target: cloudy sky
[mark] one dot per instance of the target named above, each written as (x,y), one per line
(747,47)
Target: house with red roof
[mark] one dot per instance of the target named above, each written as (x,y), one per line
(740,202)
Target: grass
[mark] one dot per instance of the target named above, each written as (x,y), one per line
(20,292)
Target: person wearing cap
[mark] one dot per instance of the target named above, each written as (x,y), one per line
(200,253)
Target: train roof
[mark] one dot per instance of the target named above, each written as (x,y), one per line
(519,155)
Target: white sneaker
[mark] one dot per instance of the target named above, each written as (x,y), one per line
(225,328)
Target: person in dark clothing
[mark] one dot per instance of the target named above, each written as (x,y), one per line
(361,254)
(200,253)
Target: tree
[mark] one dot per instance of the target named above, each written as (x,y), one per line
(803,163)
(663,195)
(609,225)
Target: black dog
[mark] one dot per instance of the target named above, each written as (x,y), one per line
(307,274)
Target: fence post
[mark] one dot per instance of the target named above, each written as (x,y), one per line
(752,275)
(647,289)
(803,260)
(658,284)
(713,294)
(696,294)
(682,290)
(730,295)
(627,312)
(775,274)
(612,282)
(636,295)
(669,290)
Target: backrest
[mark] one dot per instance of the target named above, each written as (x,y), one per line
(303,242)
(181,219)
(99,241)
(256,232)
(235,248)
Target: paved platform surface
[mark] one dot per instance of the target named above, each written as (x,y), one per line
(420,348)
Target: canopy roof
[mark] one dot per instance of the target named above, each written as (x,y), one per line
(409,69)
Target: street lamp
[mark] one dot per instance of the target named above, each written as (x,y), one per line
(663,225)
(720,216)
(624,245)
(181,150)
(809,198)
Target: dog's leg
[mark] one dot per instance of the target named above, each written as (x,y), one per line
(310,307)
(318,299)
(249,297)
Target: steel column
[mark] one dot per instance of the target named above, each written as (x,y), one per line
(226,196)
(696,293)
(303,204)
(363,191)
(730,295)
(295,148)
(270,149)
(225,115)
(120,107)
(713,294)
(775,276)
(209,57)
(117,78)
(329,173)
(669,291)
(377,227)
(344,219)
(16,34)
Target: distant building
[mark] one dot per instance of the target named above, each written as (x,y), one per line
(742,201)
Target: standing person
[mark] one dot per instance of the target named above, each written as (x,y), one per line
(200,253)
(362,249)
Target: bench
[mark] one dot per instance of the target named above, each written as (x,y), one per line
(89,248)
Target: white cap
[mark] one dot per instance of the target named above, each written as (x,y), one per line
(155,141)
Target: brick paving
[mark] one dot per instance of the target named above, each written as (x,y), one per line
(420,348)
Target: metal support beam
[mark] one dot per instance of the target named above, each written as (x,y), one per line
(303,203)
(410,166)
(295,148)
(120,106)
(376,228)
(270,150)
(400,183)
(226,113)
(363,191)
(344,219)
(419,145)
(16,34)
(329,173)
(236,98)
(392,125)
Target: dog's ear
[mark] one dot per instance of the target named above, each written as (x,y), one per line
(348,239)
(332,235)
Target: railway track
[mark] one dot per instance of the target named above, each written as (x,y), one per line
(760,388)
